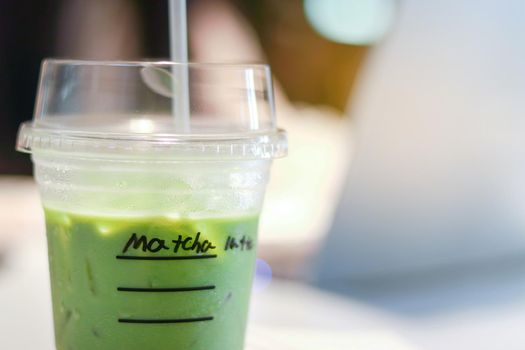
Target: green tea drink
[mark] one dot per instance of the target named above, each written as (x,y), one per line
(150,283)
(151,226)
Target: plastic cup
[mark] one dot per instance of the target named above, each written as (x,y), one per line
(152,231)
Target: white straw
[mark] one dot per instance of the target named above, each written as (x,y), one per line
(179,53)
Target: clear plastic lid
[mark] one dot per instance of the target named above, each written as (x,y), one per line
(154,109)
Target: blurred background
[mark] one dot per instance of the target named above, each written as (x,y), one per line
(397,220)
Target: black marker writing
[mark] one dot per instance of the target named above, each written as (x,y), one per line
(245,243)
(193,244)
(153,245)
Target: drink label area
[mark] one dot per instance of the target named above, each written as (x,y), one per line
(184,247)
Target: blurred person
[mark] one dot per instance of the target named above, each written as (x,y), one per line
(127,30)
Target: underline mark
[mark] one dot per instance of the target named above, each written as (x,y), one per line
(160,321)
(178,289)
(188,257)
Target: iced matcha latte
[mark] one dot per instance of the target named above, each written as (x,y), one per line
(151,228)
(150,283)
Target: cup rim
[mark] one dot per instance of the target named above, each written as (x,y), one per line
(264,145)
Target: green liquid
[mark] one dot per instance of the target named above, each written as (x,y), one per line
(179,299)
